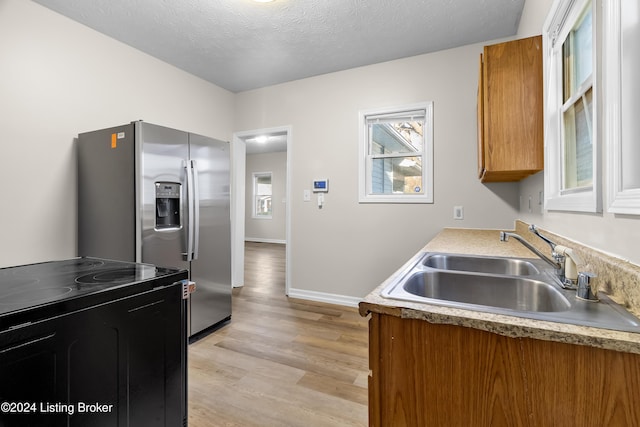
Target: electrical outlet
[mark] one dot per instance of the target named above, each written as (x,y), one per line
(458,212)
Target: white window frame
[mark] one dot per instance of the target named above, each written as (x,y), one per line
(620,201)
(365,160)
(255,177)
(561,20)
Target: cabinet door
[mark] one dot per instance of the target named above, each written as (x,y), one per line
(29,358)
(442,375)
(512,129)
(94,363)
(156,361)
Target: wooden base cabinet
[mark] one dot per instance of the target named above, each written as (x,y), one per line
(510,119)
(425,374)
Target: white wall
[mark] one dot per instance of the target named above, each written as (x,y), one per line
(59,78)
(348,248)
(533,16)
(274,229)
(616,234)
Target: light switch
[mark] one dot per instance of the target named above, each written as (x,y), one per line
(306,195)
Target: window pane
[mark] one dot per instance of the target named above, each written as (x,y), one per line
(577,53)
(397,175)
(396,137)
(584,49)
(578,146)
(263,206)
(263,184)
(262,194)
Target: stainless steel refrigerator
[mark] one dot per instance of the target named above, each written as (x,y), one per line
(148,193)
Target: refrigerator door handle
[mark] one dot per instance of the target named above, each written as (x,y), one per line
(189,254)
(196,210)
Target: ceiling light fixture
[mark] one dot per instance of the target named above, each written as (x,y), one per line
(263,1)
(261,139)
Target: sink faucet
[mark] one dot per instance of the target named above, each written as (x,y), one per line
(534,230)
(558,257)
(504,237)
(569,276)
(565,264)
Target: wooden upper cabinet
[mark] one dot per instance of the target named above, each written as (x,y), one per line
(510,121)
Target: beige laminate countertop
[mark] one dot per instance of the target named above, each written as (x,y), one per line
(487,242)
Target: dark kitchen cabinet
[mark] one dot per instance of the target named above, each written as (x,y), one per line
(121,363)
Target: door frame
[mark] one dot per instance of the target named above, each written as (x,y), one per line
(238,191)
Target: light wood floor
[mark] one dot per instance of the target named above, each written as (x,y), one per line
(279,362)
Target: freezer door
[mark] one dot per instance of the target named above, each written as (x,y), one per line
(163,195)
(211,268)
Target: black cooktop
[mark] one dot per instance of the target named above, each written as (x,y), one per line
(46,284)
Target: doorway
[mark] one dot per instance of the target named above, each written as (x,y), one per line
(264,146)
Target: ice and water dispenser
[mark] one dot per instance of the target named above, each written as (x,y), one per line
(167,205)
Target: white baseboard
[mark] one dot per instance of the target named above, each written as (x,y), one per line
(325,297)
(261,240)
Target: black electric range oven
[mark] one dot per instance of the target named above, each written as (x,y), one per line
(92,342)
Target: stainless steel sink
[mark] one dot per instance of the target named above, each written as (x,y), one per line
(512,286)
(481,264)
(512,293)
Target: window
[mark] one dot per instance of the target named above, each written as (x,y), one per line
(621,60)
(396,160)
(572,180)
(262,195)
(577,108)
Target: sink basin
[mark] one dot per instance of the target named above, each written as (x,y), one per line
(481,264)
(510,286)
(512,293)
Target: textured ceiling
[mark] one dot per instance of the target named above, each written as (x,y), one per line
(242,45)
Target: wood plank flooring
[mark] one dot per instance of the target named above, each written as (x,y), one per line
(280,361)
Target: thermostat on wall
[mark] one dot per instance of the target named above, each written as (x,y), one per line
(320,185)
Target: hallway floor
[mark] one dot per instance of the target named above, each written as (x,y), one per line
(280,361)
